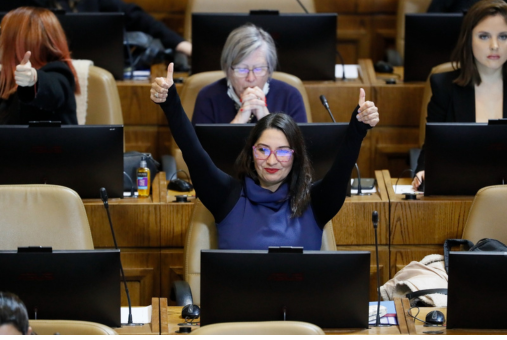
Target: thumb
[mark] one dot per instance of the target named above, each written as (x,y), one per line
(26,58)
(362,96)
(170,71)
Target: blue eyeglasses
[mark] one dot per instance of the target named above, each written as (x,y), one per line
(263,152)
(242,72)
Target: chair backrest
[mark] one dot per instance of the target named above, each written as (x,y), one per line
(70,327)
(488,217)
(240,6)
(202,234)
(43,215)
(260,328)
(445,67)
(405,7)
(104,107)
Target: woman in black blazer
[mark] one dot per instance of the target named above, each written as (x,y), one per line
(473,92)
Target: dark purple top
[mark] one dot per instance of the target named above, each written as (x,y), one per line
(214,106)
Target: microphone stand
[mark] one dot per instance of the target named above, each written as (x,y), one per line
(374,219)
(103,195)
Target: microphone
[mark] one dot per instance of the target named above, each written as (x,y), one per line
(302,6)
(323,100)
(374,219)
(103,196)
(359,192)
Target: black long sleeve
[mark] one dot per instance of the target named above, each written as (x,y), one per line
(328,194)
(218,191)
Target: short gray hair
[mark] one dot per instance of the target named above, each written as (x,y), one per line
(243,41)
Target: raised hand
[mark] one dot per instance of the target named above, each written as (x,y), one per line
(25,75)
(161,85)
(367,112)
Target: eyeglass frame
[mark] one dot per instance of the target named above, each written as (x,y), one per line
(265,68)
(271,152)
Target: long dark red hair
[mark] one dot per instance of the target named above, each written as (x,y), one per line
(32,29)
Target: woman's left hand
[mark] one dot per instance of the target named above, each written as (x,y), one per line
(367,112)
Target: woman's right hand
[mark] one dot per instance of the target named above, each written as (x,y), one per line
(161,85)
(419,177)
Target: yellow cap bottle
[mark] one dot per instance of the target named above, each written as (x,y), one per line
(143,179)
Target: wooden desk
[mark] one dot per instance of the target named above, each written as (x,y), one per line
(419,228)
(152,328)
(170,325)
(416,327)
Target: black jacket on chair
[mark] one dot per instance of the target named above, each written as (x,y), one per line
(452,103)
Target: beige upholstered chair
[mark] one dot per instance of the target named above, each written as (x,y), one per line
(196,82)
(414,153)
(104,106)
(70,327)
(487,217)
(43,215)
(202,234)
(240,6)
(260,328)
(406,7)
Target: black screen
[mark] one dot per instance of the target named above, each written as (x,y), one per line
(65,285)
(429,41)
(462,158)
(328,289)
(306,43)
(224,142)
(84,158)
(477,298)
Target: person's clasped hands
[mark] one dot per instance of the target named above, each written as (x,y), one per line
(367,112)
(25,75)
(253,101)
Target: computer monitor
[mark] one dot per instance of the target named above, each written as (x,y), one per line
(84,158)
(326,288)
(306,43)
(224,142)
(65,284)
(476,292)
(8,5)
(429,41)
(462,158)
(95,36)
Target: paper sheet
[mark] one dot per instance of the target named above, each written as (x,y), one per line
(351,71)
(388,319)
(139,314)
(405,189)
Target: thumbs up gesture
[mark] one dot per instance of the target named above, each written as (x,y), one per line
(367,112)
(161,85)
(25,75)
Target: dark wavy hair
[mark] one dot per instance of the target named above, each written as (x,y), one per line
(300,176)
(13,311)
(463,56)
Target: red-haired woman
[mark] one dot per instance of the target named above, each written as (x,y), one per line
(37,79)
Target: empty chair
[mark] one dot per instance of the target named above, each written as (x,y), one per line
(43,215)
(487,215)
